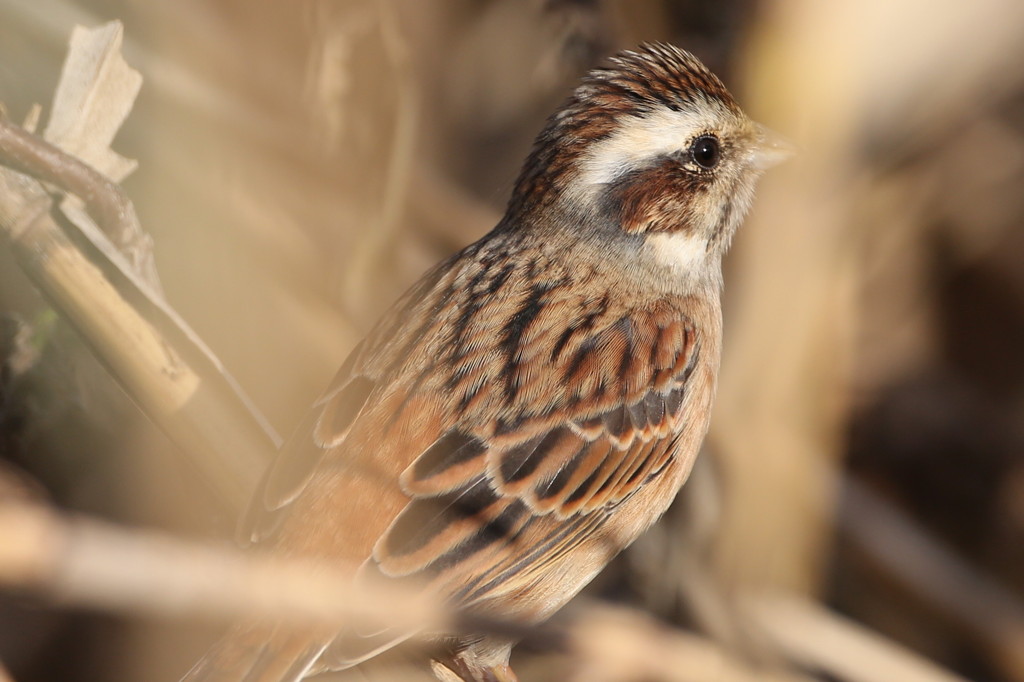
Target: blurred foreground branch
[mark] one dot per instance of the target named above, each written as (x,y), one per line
(91,564)
(86,563)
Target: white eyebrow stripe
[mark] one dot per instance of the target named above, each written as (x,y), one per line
(640,139)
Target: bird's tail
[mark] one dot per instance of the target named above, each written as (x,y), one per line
(255,654)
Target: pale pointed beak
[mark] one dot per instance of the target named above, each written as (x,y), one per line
(769,149)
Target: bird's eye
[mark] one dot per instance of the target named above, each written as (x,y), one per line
(706,151)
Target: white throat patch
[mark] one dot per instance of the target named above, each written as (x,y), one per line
(684,256)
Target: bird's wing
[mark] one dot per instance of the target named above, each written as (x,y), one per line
(509,413)
(327,423)
(585,415)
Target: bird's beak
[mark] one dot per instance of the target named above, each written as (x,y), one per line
(769,148)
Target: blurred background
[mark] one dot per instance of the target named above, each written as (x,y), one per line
(301,163)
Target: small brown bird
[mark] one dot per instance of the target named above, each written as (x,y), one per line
(533,404)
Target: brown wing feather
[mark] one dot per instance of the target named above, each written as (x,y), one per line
(326,425)
(512,437)
(480,490)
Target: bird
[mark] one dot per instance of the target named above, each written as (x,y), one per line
(534,402)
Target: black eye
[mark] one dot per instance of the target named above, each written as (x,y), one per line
(706,152)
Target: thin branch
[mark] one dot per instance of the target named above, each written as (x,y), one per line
(104,200)
(810,634)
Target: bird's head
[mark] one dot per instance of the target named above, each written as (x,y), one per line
(651,145)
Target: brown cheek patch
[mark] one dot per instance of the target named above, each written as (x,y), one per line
(661,198)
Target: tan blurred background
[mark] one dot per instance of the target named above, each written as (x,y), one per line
(302,162)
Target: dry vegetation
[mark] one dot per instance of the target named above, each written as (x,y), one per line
(300,163)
